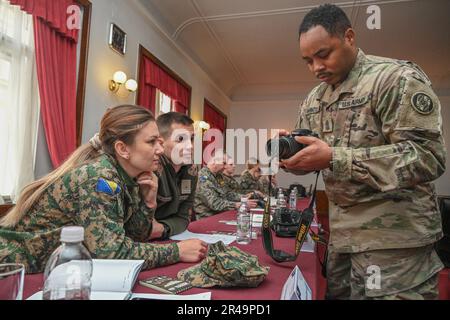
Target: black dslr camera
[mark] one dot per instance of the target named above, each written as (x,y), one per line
(285,222)
(287,146)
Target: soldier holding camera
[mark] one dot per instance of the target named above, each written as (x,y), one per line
(379,147)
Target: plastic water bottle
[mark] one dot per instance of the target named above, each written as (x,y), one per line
(281,201)
(280,191)
(293,199)
(68,272)
(244,223)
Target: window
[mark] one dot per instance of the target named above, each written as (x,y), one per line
(164,103)
(19,100)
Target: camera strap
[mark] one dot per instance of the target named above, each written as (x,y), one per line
(307,216)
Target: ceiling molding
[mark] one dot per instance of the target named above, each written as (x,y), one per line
(218,42)
(144,11)
(252,14)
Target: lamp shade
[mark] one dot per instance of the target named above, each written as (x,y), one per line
(131,85)
(120,77)
(204,125)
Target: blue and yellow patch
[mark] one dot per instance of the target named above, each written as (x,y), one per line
(108,187)
(203,178)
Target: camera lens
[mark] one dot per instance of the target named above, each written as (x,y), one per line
(281,148)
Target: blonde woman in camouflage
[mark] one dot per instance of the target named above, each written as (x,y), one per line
(108,187)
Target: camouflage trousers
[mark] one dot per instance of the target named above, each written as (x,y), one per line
(394,274)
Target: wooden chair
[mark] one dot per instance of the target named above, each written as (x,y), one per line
(4,209)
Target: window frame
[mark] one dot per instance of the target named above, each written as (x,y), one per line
(143,52)
(82,66)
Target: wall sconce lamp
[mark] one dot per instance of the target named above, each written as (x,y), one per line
(203,125)
(119,79)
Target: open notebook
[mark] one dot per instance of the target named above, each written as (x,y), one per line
(114,280)
(111,279)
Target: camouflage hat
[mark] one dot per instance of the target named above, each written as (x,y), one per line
(226,267)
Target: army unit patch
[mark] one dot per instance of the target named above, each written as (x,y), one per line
(422,103)
(108,187)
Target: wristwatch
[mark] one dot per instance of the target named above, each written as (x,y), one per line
(166,231)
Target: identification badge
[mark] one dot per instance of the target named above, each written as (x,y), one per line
(185,186)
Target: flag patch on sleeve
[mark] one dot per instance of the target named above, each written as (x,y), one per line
(108,187)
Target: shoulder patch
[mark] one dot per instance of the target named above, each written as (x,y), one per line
(108,187)
(203,178)
(422,103)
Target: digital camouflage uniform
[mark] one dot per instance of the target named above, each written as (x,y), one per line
(385,127)
(175,196)
(232,183)
(211,197)
(250,184)
(104,200)
(264,184)
(225,266)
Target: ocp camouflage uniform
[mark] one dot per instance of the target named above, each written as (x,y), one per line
(104,200)
(211,196)
(175,196)
(385,127)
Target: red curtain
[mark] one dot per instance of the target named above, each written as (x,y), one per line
(147,92)
(153,77)
(56,60)
(54,12)
(215,120)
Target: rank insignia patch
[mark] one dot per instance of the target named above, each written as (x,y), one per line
(422,103)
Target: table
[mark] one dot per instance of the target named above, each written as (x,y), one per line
(269,289)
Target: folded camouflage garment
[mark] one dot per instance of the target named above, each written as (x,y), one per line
(225,267)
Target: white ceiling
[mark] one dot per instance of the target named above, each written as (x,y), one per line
(250,47)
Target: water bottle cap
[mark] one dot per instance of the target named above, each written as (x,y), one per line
(72,234)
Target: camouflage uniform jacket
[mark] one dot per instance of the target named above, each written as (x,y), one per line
(232,188)
(175,196)
(103,199)
(264,184)
(385,128)
(211,196)
(250,184)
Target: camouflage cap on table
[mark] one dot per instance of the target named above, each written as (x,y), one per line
(226,267)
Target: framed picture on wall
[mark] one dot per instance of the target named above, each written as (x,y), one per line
(117,39)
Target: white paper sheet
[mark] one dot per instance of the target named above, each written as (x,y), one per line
(296,287)
(103,295)
(208,238)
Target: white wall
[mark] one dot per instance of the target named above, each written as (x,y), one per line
(103,62)
(131,17)
(269,115)
(283,115)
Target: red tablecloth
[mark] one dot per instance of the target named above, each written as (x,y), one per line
(270,288)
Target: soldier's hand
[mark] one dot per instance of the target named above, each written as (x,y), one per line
(252,203)
(249,195)
(157,230)
(316,156)
(281,133)
(259,193)
(148,183)
(192,250)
